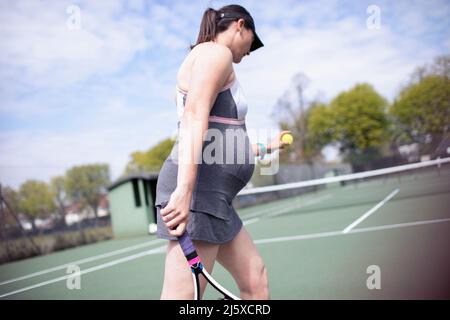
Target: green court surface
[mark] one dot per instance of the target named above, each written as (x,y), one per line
(400,224)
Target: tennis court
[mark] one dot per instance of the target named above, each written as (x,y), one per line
(318,245)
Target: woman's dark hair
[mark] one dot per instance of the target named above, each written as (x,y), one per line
(212,24)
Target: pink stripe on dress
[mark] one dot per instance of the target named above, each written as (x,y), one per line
(226,120)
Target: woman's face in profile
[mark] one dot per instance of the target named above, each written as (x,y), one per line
(244,39)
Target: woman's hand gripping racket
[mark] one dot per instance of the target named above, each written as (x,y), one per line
(197,267)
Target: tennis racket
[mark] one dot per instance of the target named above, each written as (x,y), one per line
(197,268)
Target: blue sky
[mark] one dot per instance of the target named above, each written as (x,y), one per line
(100,92)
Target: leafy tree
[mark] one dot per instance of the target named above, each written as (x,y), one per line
(320,123)
(439,67)
(150,160)
(57,186)
(356,120)
(85,184)
(422,109)
(10,205)
(11,197)
(36,200)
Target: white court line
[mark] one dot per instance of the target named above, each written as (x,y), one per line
(339,233)
(272,212)
(92,269)
(306,203)
(282,206)
(368,213)
(250,221)
(399,225)
(299,237)
(260,241)
(142,245)
(85,260)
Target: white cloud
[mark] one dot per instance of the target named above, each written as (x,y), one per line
(116,134)
(44,49)
(335,58)
(136,5)
(37,43)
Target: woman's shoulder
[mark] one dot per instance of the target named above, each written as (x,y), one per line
(203,51)
(212,49)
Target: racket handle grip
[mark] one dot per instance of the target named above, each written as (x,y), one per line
(186,245)
(185,242)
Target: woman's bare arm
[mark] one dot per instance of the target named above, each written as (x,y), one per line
(275,144)
(209,73)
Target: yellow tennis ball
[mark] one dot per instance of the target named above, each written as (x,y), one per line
(287,138)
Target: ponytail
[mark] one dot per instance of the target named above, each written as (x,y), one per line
(208,27)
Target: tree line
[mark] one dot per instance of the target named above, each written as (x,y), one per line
(363,124)
(82,185)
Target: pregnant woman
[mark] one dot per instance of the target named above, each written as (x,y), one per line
(198,185)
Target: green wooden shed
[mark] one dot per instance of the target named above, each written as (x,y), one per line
(131,203)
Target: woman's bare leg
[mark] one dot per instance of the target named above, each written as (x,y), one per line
(242,259)
(178,284)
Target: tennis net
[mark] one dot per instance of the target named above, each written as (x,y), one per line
(406,181)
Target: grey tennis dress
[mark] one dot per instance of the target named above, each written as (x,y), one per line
(226,167)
